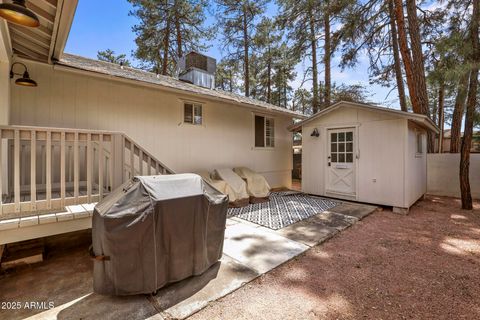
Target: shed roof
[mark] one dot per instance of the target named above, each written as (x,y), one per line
(420,119)
(150,78)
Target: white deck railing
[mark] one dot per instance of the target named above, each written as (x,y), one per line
(45,169)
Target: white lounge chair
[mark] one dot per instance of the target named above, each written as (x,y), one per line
(238,187)
(257,186)
(220,185)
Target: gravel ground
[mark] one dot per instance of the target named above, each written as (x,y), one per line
(422,266)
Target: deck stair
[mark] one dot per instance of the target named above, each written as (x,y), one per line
(51,178)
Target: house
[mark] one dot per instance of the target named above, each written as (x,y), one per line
(447,136)
(365,153)
(90,125)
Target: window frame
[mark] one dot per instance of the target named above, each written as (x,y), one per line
(272,138)
(334,156)
(419,138)
(195,106)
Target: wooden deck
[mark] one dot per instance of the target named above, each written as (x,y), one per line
(51,178)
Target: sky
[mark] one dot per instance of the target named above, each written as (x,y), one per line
(106,24)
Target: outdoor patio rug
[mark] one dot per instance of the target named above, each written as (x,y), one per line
(283,209)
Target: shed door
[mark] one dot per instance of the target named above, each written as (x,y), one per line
(341,161)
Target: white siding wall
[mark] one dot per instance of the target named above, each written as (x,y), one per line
(4,74)
(415,166)
(381,144)
(443,174)
(153,118)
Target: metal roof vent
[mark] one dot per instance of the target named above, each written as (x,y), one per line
(197,69)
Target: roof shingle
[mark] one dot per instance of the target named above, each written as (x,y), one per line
(116,70)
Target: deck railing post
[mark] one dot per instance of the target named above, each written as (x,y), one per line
(89,167)
(16,174)
(117,160)
(48,170)
(62,168)
(100,165)
(33,170)
(76,169)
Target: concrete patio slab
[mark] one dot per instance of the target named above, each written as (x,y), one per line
(358,211)
(334,220)
(258,249)
(181,299)
(94,306)
(309,232)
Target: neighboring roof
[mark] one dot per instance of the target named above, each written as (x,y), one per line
(141,76)
(47,41)
(420,119)
(447,134)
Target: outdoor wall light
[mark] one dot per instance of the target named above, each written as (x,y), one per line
(315,133)
(24,80)
(18,13)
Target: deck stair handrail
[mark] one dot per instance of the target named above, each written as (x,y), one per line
(44,169)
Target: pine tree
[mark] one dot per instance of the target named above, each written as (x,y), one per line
(266,45)
(474,59)
(302,101)
(371,27)
(109,55)
(284,73)
(302,19)
(227,74)
(166,30)
(237,19)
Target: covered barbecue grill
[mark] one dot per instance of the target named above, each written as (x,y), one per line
(155,230)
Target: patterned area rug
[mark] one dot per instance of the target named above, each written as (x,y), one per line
(283,209)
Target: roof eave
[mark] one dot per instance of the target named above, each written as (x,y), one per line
(419,118)
(65,67)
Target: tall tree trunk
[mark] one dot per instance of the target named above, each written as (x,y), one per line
(396,58)
(284,89)
(471,104)
(313,44)
(406,57)
(327,55)
(178,30)
(166,47)
(245,51)
(459,109)
(441,117)
(269,76)
(418,67)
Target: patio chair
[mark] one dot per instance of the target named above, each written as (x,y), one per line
(257,186)
(238,187)
(220,185)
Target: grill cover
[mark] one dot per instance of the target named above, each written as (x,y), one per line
(155,230)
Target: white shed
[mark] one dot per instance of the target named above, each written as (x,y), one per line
(365,153)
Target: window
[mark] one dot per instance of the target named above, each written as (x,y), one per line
(192,113)
(341,147)
(264,132)
(419,143)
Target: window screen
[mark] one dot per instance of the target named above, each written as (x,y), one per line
(269,132)
(264,132)
(419,143)
(192,113)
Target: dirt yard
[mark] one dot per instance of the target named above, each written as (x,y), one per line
(422,266)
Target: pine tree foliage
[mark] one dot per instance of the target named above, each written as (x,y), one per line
(109,55)
(167,29)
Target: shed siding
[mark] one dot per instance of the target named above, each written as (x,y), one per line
(381,146)
(153,118)
(416,166)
